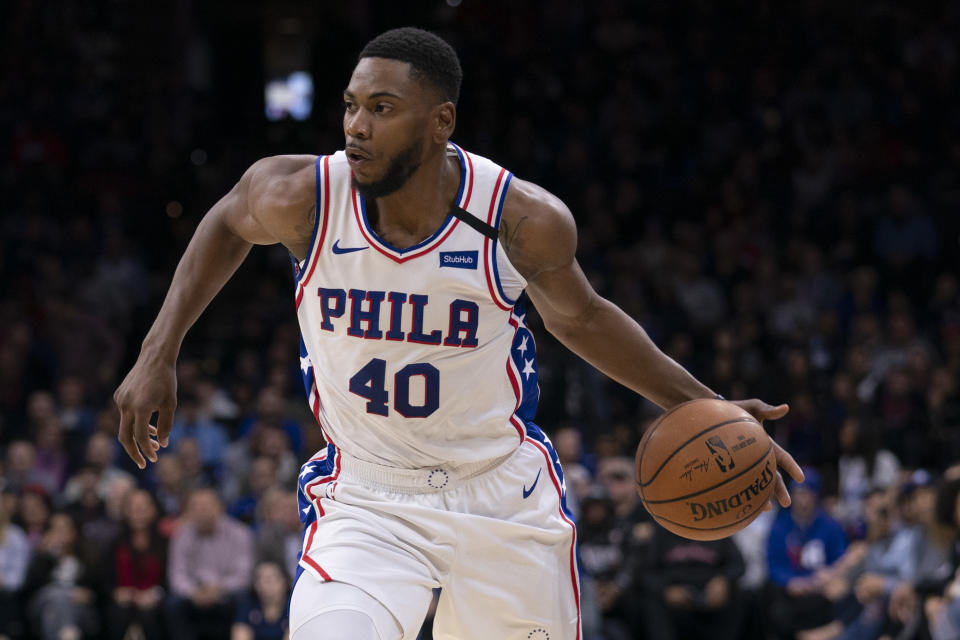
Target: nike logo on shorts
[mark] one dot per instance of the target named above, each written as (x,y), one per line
(526,493)
(337,250)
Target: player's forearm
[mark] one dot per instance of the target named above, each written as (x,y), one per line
(211,258)
(615,344)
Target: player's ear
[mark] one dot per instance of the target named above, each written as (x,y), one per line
(445,121)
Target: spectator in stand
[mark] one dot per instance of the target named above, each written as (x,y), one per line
(51,456)
(632,528)
(34,514)
(271,410)
(169,489)
(887,558)
(604,570)
(278,531)
(211,557)
(691,588)
(21,466)
(211,437)
(862,467)
(936,553)
(262,612)
(263,475)
(193,473)
(100,457)
(942,608)
(76,416)
(804,542)
(135,571)
(265,439)
(60,587)
(14,557)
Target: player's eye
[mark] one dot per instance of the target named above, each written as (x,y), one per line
(349,106)
(382,107)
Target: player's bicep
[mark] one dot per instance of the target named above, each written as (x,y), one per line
(540,236)
(273,203)
(233,212)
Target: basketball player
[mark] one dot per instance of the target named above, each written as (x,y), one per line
(411,256)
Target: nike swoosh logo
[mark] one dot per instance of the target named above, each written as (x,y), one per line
(526,493)
(338,250)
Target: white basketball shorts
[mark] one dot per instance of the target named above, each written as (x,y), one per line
(496,537)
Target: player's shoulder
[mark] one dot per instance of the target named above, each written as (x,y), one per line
(283,180)
(537,228)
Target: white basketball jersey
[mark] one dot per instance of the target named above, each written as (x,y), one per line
(415,357)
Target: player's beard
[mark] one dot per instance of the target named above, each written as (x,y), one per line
(401,167)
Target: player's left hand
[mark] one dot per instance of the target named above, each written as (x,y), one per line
(763,411)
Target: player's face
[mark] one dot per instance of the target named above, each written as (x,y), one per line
(386,123)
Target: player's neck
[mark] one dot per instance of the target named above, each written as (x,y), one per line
(417,209)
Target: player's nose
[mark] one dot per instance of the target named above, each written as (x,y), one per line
(357,125)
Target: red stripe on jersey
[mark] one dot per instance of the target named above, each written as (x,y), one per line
(323,227)
(487,269)
(317,567)
(466,201)
(573,543)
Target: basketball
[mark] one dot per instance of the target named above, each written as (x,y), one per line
(705,469)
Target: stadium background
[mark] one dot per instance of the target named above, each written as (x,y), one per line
(771,191)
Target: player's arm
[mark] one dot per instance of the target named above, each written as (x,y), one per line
(540,237)
(273,202)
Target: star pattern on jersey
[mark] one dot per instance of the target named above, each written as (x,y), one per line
(523,346)
(307,470)
(305,364)
(527,369)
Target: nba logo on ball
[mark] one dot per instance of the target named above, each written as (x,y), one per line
(720,453)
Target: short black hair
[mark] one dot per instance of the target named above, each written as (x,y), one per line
(430,57)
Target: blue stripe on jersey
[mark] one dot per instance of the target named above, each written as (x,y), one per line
(463,175)
(524,354)
(493,247)
(316,224)
(306,369)
(535,433)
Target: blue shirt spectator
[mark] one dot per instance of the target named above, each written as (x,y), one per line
(803,538)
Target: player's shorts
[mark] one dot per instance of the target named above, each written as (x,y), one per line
(495,536)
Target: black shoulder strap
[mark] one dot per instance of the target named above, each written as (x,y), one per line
(475,222)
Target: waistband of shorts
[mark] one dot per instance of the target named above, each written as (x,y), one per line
(423,480)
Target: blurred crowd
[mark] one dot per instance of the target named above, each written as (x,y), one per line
(770,189)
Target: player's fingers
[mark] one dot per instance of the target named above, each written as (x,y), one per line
(783,496)
(786,461)
(141,425)
(164,426)
(125,436)
(770,412)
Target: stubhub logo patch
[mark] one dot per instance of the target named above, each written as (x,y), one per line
(459,259)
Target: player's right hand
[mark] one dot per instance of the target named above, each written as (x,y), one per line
(149,388)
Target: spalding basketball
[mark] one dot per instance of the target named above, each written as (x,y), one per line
(705,469)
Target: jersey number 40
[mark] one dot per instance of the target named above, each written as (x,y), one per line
(370,383)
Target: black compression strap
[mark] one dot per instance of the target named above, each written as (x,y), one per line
(475,222)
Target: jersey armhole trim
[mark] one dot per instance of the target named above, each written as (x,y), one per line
(500,298)
(321,217)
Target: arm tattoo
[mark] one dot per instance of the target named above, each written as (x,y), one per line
(506,235)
